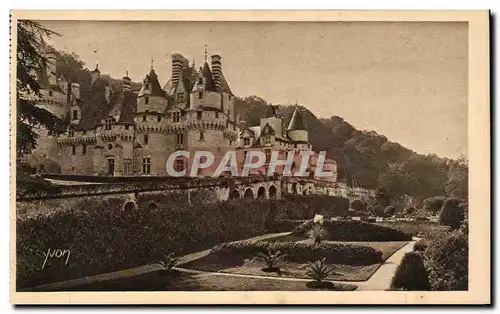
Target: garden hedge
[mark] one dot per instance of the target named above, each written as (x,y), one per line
(103,238)
(355,230)
(411,274)
(302,252)
(316,204)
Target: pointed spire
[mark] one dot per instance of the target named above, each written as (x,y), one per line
(152,61)
(206,53)
(270,111)
(126,73)
(296,123)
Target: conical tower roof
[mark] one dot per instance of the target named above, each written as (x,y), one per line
(296,123)
(270,112)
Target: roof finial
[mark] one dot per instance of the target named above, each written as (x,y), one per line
(152,61)
(126,73)
(194,64)
(206,53)
(97,67)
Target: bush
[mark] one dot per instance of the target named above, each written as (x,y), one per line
(411,274)
(272,259)
(409,210)
(420,245)
(353,230)
(359,205)
(376,210)
(451,214)
(102,238)
(302,252)
(389,211)
(318,271)
(323,204)
(447,261)
(417,228)
(433,205)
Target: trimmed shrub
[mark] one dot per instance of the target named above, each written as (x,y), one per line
(359,205)
(447,260)
(420,245)
(302,252)
(102,238)
(451,214)
(409,210)
(411,274)
(416,228)
(377,210)
(354,230)
(323,204)
(433,205)
(389,211)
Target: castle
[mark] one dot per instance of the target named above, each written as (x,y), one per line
(132,133)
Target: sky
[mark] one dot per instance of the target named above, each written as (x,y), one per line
(405,80)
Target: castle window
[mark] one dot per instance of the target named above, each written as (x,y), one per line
(179,139)
(146,100)
(126,127)
(84,133)
(146,165)
(111,166)
(147,86)
(127,166)
(230,142)
(146,139)
(267,140)
(107,124)
(73,150)
(84,150)
(179,165)
(75,114)
(199,115)
(202,137)
(200,94)
(159,118)
(177,116)
(71,133)
(216,115)
(180,97)
(50,93)
(246,141)
(144,117)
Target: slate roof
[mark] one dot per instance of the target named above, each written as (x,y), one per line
(209,80)
(124,108)
(296,123)
(156,89)
(270,112)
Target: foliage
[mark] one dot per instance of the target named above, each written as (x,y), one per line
(308,205)
(102,238)
(359,205)
(408,211)
(420,245)
(447,260)
(169,261)
(433,205)
(376,209)
(302,252)
(389,211)
(31,45)
(271,258)
(457,184)
(451,214)
(352,230)
(317,232)
(411,274)
(318,271)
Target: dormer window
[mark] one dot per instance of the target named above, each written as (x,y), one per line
(180,97)
(246,141)
(75,114)
(199,115)
(202,137)
(146,139)
(147,86)
(108,123)
(146,100)
(144,118)
(177,116)
(50,93)
(71,133)
(200,94)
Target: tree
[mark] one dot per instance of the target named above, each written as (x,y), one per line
(452,214)
(31,61)
(411,274)
(457,184)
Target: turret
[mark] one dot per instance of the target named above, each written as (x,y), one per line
(297,131)
(152,97)
(272,118)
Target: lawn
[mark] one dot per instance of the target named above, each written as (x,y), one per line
(182,281)
(415,228)
(214,263)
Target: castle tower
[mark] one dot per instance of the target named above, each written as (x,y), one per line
(274,120)
(151,121)
(297,131)
(94,75)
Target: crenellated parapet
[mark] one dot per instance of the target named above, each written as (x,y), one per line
(80,140)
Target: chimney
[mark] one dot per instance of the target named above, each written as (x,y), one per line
(126,82)
(217,70)
(177,66)
(95,74)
